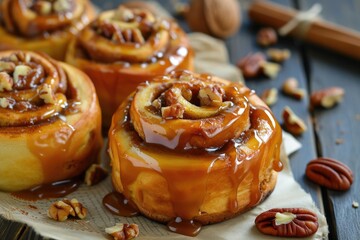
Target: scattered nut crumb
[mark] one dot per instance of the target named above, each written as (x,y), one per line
(250,65)
(355,204)
(292,122)
(95,174)
(291,88)
(339,141)
(266,37)
(278,55)
(327,97)
(270,69)
(123,231)
(270,96)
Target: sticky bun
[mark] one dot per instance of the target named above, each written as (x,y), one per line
(125,47)
(42,25)
(194,147)
(50,121)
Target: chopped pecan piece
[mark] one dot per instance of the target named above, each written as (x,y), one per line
(123,231)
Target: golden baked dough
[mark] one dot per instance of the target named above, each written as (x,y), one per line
(125,47)
(45,26)
(50,121)
(194,146)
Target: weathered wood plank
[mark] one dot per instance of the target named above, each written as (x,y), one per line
(245,42)
(342,122)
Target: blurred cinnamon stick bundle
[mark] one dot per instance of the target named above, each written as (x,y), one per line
(320,32)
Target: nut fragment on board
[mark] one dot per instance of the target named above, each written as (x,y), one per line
(330,173)
(291,88)
(61,210)
(327,97)
(266,37)
(251,65)
(278,55)
(287,222)
(95,174)
(355,204)
(123,231)
(270,96)
(292,122)
(270,69)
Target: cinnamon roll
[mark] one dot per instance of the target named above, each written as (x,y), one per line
(50,121)
(125,47)
(193,147)
(42,25)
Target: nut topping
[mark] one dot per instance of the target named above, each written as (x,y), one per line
(61,6)
(95,174)
(174,111)
(266,37)
(270,69)
(327,97)
(211,95)
(330,173)
(287,222)
(291,88)
(123,231)
(7,66)
(42,7)
(61,210)
(20,71)
(292,122)
(6,82)
(47,94)
(278,55)
(270,96)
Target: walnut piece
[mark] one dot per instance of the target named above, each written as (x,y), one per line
(7,66)
(123,231)
(292,122)
(4,102)
(61,210)
(270,96)
(123,14)
(42,7)
(211,95)
(174,111)
(278,55)
(61,6)
(291,88)
(251,65)
(327,97)
(95,174)
(266,37)
(20,71)
(270,69)
(6,82)
(47,94)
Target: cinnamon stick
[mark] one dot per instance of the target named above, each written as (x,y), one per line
(322,33)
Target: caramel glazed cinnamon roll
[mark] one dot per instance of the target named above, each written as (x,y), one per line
(42,25)
(50,121)
(194,147)
(125,47)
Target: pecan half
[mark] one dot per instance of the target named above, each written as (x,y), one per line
(287,222)
(330,173)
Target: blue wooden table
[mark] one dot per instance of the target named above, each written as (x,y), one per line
(315,68)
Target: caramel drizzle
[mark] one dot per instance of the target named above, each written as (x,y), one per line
(36,18)
(33,89)
(241,160)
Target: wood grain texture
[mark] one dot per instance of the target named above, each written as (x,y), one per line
(341,122)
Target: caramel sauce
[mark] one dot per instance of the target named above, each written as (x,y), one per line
(52,190)
(117,204)
(185,227)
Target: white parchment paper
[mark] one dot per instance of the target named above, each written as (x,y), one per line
(287,193)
